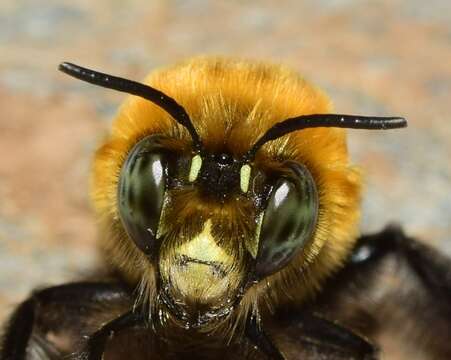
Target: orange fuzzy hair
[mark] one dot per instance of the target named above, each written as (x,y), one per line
(232,103)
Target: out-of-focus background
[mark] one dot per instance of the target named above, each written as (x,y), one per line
(387,57)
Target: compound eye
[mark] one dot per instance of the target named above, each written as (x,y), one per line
(288,222)
(142,186)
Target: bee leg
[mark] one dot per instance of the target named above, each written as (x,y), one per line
(431,267)
(258,337)
(17,335)
(305,335)
(18,332)
(96,343)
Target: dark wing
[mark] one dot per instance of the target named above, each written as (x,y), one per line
(304,335)
(395,291)
(54,321)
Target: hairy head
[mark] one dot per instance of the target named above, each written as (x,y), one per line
(235,196)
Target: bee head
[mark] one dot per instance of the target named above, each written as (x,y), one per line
(218,212)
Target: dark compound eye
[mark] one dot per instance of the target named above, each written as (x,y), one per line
(142,186)
(288,222)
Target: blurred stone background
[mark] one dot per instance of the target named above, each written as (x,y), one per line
(388,57)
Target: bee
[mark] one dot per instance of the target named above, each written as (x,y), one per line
(228,211)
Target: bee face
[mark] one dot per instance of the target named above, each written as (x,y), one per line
(214,216)
(211,224)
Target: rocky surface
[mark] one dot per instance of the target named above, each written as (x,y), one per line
(382,58)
